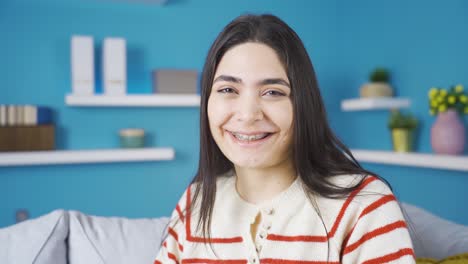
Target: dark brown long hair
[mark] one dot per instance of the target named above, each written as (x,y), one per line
(317,153)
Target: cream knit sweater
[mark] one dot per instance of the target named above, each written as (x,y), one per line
(367,227)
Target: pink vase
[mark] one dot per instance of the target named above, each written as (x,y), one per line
(448,134)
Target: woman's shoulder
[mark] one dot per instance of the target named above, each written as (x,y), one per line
(372,197)
(368,191)
(363,183)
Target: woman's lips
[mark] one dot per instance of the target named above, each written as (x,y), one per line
(249,143)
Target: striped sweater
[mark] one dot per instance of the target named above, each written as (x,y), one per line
(366,227)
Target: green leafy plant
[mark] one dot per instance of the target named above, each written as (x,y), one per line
(380,75)
(402,121)
(440,100)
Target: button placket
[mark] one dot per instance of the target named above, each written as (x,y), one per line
(264,228)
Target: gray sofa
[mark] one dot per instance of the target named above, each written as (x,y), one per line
(72,237)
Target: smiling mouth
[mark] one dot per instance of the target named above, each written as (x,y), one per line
(250,138)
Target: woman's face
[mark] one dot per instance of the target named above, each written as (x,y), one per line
(249,108)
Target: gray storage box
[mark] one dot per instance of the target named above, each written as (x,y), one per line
(175,81)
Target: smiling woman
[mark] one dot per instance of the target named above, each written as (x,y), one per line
(274,184)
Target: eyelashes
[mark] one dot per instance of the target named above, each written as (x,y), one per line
(272,93)
(227,90)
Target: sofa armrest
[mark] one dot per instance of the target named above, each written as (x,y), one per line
(434,237)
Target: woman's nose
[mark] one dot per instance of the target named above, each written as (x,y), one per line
(249,109)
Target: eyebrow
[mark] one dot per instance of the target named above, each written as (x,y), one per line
(233,79)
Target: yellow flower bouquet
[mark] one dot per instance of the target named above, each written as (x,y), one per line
(440,100)
(448,130)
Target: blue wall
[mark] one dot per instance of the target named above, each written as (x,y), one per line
(422,45)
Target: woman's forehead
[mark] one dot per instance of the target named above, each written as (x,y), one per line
(251,62)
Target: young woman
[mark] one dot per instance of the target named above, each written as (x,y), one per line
(274,184)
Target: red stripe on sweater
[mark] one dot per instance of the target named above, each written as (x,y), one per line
(179,211)
(335,225)
(347,202)
(170,255)
(390,257)
(157,262)
(383,200)
(374,233)
(202,239)
(173,257)
(297,238)
(215,261)
(173,233)
(287,261)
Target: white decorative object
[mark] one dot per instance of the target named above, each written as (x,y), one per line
(11,115)
(30,115)
(3,115)
(82,65)
(114,62)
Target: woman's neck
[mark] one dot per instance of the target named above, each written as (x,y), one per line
(256,185)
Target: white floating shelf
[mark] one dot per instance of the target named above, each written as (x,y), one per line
(436,161)
(374,104)
(150,100)
(55,157)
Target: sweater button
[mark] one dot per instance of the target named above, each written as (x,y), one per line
(270,211)
(259,248)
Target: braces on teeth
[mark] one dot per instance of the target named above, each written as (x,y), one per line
(249,138)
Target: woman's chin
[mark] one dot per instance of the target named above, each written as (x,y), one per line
(249,164)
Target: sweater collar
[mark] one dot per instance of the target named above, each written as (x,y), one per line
(280,202)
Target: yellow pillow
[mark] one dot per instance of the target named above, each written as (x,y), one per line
(457,259)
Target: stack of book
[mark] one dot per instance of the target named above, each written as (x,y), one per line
(26,128)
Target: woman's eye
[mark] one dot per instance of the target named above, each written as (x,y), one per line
(274,93)
(226,90)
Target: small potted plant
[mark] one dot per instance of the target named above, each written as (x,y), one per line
(448,131)
(378,85)
(402,127)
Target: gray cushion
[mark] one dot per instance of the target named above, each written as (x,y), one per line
(113,240)
(434,237)
(39,241)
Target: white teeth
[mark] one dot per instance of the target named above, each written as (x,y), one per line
(249,138)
